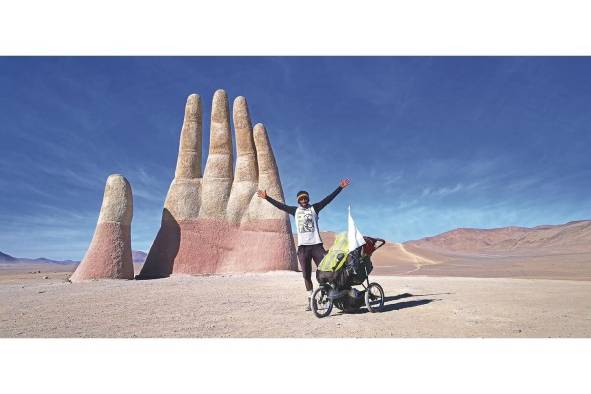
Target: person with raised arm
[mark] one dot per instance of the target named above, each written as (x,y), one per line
(309,241)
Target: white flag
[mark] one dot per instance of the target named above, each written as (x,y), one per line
(355,237)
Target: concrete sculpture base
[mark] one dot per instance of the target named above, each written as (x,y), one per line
(259,247)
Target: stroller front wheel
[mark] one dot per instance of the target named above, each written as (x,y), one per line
(374,297)
(321,304)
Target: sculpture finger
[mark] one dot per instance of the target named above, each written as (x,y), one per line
(189,160)
(246,172)
(183,198)
(217,178)
(268,171)
(268,179)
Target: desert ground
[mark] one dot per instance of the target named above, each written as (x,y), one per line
(272,305)
(508,282)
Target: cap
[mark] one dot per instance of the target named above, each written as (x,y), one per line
(303,193)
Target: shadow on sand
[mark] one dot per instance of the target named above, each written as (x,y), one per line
(408,295)
(407,304)
(400,305)
(160,260)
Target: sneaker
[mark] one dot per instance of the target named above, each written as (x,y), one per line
(308,308)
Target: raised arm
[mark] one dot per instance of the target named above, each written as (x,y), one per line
(287,208)
(326,200)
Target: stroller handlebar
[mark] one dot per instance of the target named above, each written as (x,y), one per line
(376,243)
(381,241)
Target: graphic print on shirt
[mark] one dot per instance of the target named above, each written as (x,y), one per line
(305,220)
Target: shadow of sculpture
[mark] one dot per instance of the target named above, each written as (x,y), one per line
(160,260)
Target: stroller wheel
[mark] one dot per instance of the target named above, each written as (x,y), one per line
(321,304)
(374,297)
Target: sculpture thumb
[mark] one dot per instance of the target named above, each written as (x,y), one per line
(109,254)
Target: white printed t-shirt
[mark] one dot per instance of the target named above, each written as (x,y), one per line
(307,226)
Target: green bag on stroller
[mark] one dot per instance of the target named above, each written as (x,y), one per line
(346,268)
(336,256)
(334,260)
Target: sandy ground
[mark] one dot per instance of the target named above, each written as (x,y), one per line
(272,305)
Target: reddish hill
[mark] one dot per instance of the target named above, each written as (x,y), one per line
(572,237)
(549,251)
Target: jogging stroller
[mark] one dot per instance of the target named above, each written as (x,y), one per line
(339,271)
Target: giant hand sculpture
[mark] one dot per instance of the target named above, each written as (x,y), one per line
(216,223)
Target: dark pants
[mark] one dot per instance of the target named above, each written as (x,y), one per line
(307,253)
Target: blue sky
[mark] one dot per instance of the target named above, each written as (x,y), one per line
(430,143)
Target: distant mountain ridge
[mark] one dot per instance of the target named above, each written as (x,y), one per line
(560,251)
(573,236)
(6,257)
(138,257)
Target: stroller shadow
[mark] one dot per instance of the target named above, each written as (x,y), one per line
(400,305)
(408,295)
(397,297)
(407,304)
